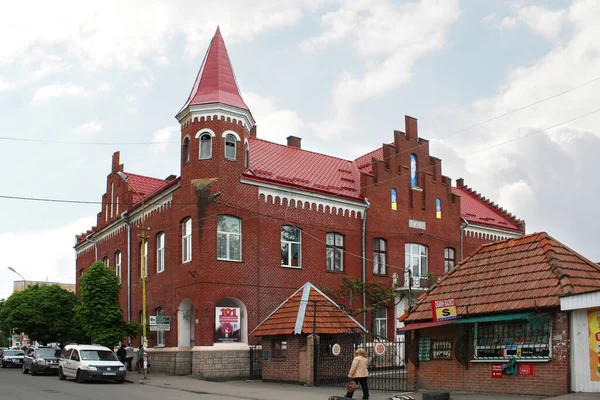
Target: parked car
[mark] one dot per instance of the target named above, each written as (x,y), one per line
(40,360)
(12,358)
(86,362)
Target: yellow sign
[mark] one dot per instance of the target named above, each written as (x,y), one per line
(594,338)
(443,310)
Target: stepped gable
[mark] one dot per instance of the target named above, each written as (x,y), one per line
(216,81)
(296,315)
(294,167)
(531,272)
(365,163)
(477,209)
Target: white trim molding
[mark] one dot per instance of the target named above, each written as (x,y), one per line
(230,132)
(216,111)
(203,131)
(337,206)
(489,233)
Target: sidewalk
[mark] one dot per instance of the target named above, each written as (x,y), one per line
(258,390)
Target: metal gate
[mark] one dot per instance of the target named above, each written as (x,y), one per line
(255,362)
(386,362)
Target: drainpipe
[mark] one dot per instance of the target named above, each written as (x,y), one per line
(125,219)
(462,235)
(364,261)
(92,241)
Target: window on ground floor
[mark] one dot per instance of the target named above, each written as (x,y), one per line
(380,327)
(280,348)
(521,339)
(160,335)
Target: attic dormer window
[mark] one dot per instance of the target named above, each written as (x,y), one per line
(205,146)
(230,143)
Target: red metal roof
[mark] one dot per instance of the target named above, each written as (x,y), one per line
(292,166)
(478,210)
(365,163)
(145,185)
(216,82)
(527,273)
(298,314)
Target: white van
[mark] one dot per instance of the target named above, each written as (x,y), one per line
(90,362)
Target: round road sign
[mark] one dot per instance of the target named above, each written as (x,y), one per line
(336,349)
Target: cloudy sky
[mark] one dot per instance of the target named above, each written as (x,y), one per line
(505,90)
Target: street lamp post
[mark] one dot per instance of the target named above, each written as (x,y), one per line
(143,264)
(24,287)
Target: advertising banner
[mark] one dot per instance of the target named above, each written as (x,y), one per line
(227,325)
(594,338)
(443,310)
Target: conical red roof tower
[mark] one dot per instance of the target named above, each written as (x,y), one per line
(216,85)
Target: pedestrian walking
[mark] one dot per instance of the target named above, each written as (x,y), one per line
(359,373)
(129,356)
(122,354)
(141,355)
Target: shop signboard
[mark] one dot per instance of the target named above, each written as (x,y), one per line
(443,310)
(594,341)
(227,325)
(496,370)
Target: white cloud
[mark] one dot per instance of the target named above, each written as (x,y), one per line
(162,137)
(52,260)
(274,124)
(88,128)
(390,38)
(544,22)
(66,90)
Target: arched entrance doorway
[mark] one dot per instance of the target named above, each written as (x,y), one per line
(185,324)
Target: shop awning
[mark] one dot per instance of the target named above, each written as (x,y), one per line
(422,325)
(493,318)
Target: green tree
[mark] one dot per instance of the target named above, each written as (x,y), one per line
(44,313)
(4,330)
(99,311)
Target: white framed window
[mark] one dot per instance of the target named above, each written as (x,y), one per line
(335,251)
(229,238)
(380,328)
(160,335)
(449,259)
(186,241)
(415,260)
(291,246)
(118,264)
(230,147)
(144,257)
(160,252)
(106,261)
(379,256)
(205,146)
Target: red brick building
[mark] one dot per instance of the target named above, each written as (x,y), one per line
(248,221)
(507,297)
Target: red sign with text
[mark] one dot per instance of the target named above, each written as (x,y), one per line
(525,369)
(496,370)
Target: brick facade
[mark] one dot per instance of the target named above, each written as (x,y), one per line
(548,379)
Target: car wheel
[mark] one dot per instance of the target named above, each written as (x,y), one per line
(79,378)
(61,376)
(24,369)
(121,381)
(33,371)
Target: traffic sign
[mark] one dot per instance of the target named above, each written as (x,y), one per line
(160,320)
(161,327)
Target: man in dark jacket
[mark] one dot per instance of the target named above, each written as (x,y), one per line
(122,354)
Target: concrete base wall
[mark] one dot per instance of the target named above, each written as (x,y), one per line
(175,361)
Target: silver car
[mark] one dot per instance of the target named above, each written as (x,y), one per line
(41,360)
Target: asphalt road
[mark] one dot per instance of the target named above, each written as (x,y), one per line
(15,385)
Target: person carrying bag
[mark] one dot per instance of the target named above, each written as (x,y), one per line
(359,373)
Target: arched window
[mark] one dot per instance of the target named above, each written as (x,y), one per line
(230,144)
(186,241)
(231,322)
(438,208)
(291,246)
(144,259)
(246,155)
(185,150)
(394,200)
(205,146)
(160,252)
(414,181)
(106,261)
(229,238)
(335,252)
(379,256)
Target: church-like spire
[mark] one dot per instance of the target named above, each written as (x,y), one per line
(216,82)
